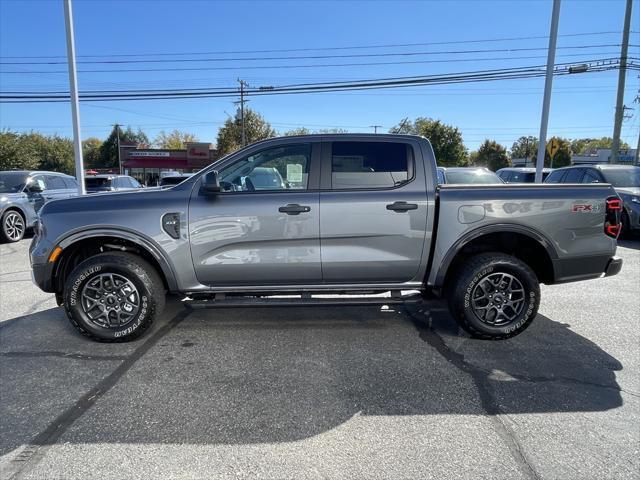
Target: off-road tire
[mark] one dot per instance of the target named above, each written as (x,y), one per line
(480,267)
(139,272)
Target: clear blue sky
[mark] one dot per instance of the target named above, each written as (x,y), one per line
(582,105)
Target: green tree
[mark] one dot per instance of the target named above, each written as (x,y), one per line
(174,140)
(109,148)
(15,153)
(91,152)
(446,140)
(525,147)
(297,131)
(230,134)
(56,153)
(584,146)
(492,155)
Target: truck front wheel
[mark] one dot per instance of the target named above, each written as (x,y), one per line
(494,296)
(113,297)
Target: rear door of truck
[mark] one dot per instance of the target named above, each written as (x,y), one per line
(373,210)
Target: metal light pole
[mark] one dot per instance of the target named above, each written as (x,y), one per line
(75,107)
(622,73)
(548,83)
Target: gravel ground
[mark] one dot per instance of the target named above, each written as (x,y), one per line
(353,392)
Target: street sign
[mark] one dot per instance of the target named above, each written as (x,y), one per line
(552,147)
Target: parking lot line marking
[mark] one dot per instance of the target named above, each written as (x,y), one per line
(36,450)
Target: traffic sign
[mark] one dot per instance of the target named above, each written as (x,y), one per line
(552,147)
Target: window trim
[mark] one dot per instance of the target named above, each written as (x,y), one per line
(327,166)
(314,167)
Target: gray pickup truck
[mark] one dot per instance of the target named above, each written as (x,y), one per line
(353,214)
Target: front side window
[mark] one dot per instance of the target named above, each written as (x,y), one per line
(39,180)
(55,182)
(280,168)
(591,176)
(361,165)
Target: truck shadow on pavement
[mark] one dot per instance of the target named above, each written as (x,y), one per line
(240,376)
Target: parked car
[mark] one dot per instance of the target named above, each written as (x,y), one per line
(171,180)
(624,178)
(467,176)
(521,174)
(355,213)
(23,193)
(110,183)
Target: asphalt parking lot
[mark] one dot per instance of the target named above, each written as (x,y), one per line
(354,392)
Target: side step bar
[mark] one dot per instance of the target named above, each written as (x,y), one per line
(300,300)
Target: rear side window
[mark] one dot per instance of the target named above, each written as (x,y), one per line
(574,175)
(55,183)
(556,177)
(522,177)
(591,176)
(70,182)
(361,165)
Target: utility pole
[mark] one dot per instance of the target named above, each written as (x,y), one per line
(75,104)
(548,83)
(375,128)
(117,127)
(242,101)
(622,73)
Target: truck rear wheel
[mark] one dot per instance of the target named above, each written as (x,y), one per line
(494,296)
(113,297)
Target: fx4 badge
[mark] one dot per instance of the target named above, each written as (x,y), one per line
(584,208)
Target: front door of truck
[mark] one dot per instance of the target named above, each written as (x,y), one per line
(373,211)
(263,227)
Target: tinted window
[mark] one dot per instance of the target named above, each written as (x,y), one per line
(369,164)
(12,182)
(70,182)
(471,177)
(279,168)
(440,175)
(40,180)
(591,176)
(574,175)
(504,175)
(55,182)
(523,177)
(97,182)
(556,177)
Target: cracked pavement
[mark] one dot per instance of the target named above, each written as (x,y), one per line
(354,392)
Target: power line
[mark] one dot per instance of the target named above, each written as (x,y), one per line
(320,57)
(285,66)
(313,49)
(450,78)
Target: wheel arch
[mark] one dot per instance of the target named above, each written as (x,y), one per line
(78,246)
(525,243)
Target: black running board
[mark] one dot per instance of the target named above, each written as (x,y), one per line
(304,300)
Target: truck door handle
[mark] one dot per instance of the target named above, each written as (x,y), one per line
(294,209)
(402,206)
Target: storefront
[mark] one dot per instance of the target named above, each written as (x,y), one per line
(149,165)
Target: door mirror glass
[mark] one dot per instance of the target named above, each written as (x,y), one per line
(35,186)
(210,183)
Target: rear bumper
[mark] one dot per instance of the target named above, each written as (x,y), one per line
(585,268)
(613,267)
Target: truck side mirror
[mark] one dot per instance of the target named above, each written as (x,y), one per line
(210,183)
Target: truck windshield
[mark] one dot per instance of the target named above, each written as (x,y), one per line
(624,177)
(472,177)
(12,182)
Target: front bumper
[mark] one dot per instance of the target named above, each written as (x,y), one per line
(42,276)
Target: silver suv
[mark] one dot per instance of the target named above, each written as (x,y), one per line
(22,195)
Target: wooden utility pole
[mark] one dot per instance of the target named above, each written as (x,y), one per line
(622,73)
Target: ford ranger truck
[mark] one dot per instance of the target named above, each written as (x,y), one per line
(351,214)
